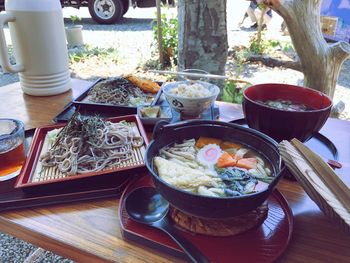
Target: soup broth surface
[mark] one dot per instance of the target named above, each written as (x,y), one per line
(287,105)
(213,167)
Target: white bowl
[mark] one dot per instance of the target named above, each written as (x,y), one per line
(190,106)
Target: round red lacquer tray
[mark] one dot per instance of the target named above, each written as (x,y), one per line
(262,244)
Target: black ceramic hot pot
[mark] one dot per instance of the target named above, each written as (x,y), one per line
(205,206)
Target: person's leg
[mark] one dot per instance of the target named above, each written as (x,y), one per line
(267,17)
(251,14)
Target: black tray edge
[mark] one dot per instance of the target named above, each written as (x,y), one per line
(318,136)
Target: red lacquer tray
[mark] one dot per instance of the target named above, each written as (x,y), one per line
(12,198)
(262,244)
(112,175)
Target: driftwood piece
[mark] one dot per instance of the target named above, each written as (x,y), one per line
(274,62)
(321,62)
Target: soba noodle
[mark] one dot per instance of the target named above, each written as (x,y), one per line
(117,91)
(90,145)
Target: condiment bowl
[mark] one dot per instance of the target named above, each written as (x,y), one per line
(282,124)
(209,206)
(164,115)
(187,106)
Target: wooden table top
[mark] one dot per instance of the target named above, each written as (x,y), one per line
(89,231)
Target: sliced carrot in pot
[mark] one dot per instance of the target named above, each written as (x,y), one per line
(247,163)
(203,141)
(226,160)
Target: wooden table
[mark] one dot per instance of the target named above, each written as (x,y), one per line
(89,231)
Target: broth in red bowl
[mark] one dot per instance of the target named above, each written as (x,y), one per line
(285,111)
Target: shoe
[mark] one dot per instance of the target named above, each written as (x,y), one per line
(255,25)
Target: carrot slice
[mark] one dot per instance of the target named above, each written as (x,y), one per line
(226,160)
(230,145)
(235,156)
(203,141)
(247,163)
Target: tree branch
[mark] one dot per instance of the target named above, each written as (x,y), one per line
(321,62)
(273,62)
(276,5)
(340,50)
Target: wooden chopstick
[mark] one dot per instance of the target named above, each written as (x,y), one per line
(156,98)
(199,75)
(326,174)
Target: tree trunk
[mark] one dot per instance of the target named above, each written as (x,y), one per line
(160,34)
(320,61)
(202,36)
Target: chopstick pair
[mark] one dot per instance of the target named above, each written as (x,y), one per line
(188,74)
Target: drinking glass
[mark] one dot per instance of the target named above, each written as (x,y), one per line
(12,152)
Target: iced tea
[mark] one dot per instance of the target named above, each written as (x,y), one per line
(12,152)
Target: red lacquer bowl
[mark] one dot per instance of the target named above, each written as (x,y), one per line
(282,124)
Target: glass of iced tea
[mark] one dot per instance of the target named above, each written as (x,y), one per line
(12,152)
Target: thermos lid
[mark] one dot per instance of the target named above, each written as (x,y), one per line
(30,5)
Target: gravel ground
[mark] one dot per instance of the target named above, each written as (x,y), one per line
(132,38)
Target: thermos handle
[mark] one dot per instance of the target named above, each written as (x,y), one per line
(4,57)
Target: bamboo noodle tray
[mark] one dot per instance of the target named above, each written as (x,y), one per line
(319,181)
(87,100)
(84,103)
(33,176)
